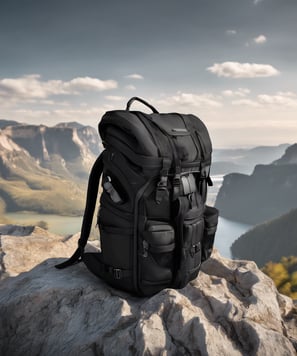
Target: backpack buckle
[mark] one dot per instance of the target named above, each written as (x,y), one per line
(117,273)
(194,249)
(161,189)
(176,185)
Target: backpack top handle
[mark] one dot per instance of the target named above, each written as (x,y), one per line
(135,98)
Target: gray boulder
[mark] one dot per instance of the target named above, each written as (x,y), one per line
(232,308)
(24,247)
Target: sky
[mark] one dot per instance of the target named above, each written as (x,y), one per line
(230,62)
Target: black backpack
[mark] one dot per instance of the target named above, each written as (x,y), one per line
(155,229)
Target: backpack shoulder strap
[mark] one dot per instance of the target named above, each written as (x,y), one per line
(92,192)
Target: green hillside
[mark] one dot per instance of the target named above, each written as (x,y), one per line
(31,188)
(269,241)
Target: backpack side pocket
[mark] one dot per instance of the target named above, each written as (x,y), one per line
(211,216)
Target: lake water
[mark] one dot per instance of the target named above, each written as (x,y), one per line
(228,231)
(63,225)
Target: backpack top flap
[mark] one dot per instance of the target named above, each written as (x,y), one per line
(124,127)
(142,134)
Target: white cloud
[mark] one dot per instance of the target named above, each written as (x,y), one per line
(130,87)
(88,83)
(134,76)
(191,100)
(256,2)
(29,86)
(260,39)
(115,97)
(281,99)
(242,70)
(246,102)
(32,87)
(239,92)
(88,115)
(231,32)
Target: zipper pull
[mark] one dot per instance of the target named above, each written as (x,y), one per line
(145,247)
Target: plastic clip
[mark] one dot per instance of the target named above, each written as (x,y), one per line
(194,249)
(176,186)
(161,190)
(117,273)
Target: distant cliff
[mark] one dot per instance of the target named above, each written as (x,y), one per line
(243,160)
(290,156)
(45,169)
(267,193)
(66,149)
(269,241)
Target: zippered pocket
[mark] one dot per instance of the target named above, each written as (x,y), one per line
(156,251)
(190,234)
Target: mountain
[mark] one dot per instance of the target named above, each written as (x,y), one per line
(267,193)
(45,169)
(4,123)
(67,150)
(269,241)
(244,160)
(226,167)
(230,309)
(290,156)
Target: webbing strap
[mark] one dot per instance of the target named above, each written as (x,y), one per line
(94,263)
(179,221)
(92,193)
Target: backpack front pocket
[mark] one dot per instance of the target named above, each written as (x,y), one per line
(190,229)
(156,256)
(192,236)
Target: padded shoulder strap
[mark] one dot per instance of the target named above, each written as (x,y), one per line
(92,193)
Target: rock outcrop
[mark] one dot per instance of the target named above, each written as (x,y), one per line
(24,247)
(232,308)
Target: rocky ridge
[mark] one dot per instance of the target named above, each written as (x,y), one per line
(45,169)
(67,149)
(232,308)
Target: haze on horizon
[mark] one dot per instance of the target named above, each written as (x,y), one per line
(230,62)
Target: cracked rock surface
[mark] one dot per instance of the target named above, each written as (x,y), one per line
(232,308)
